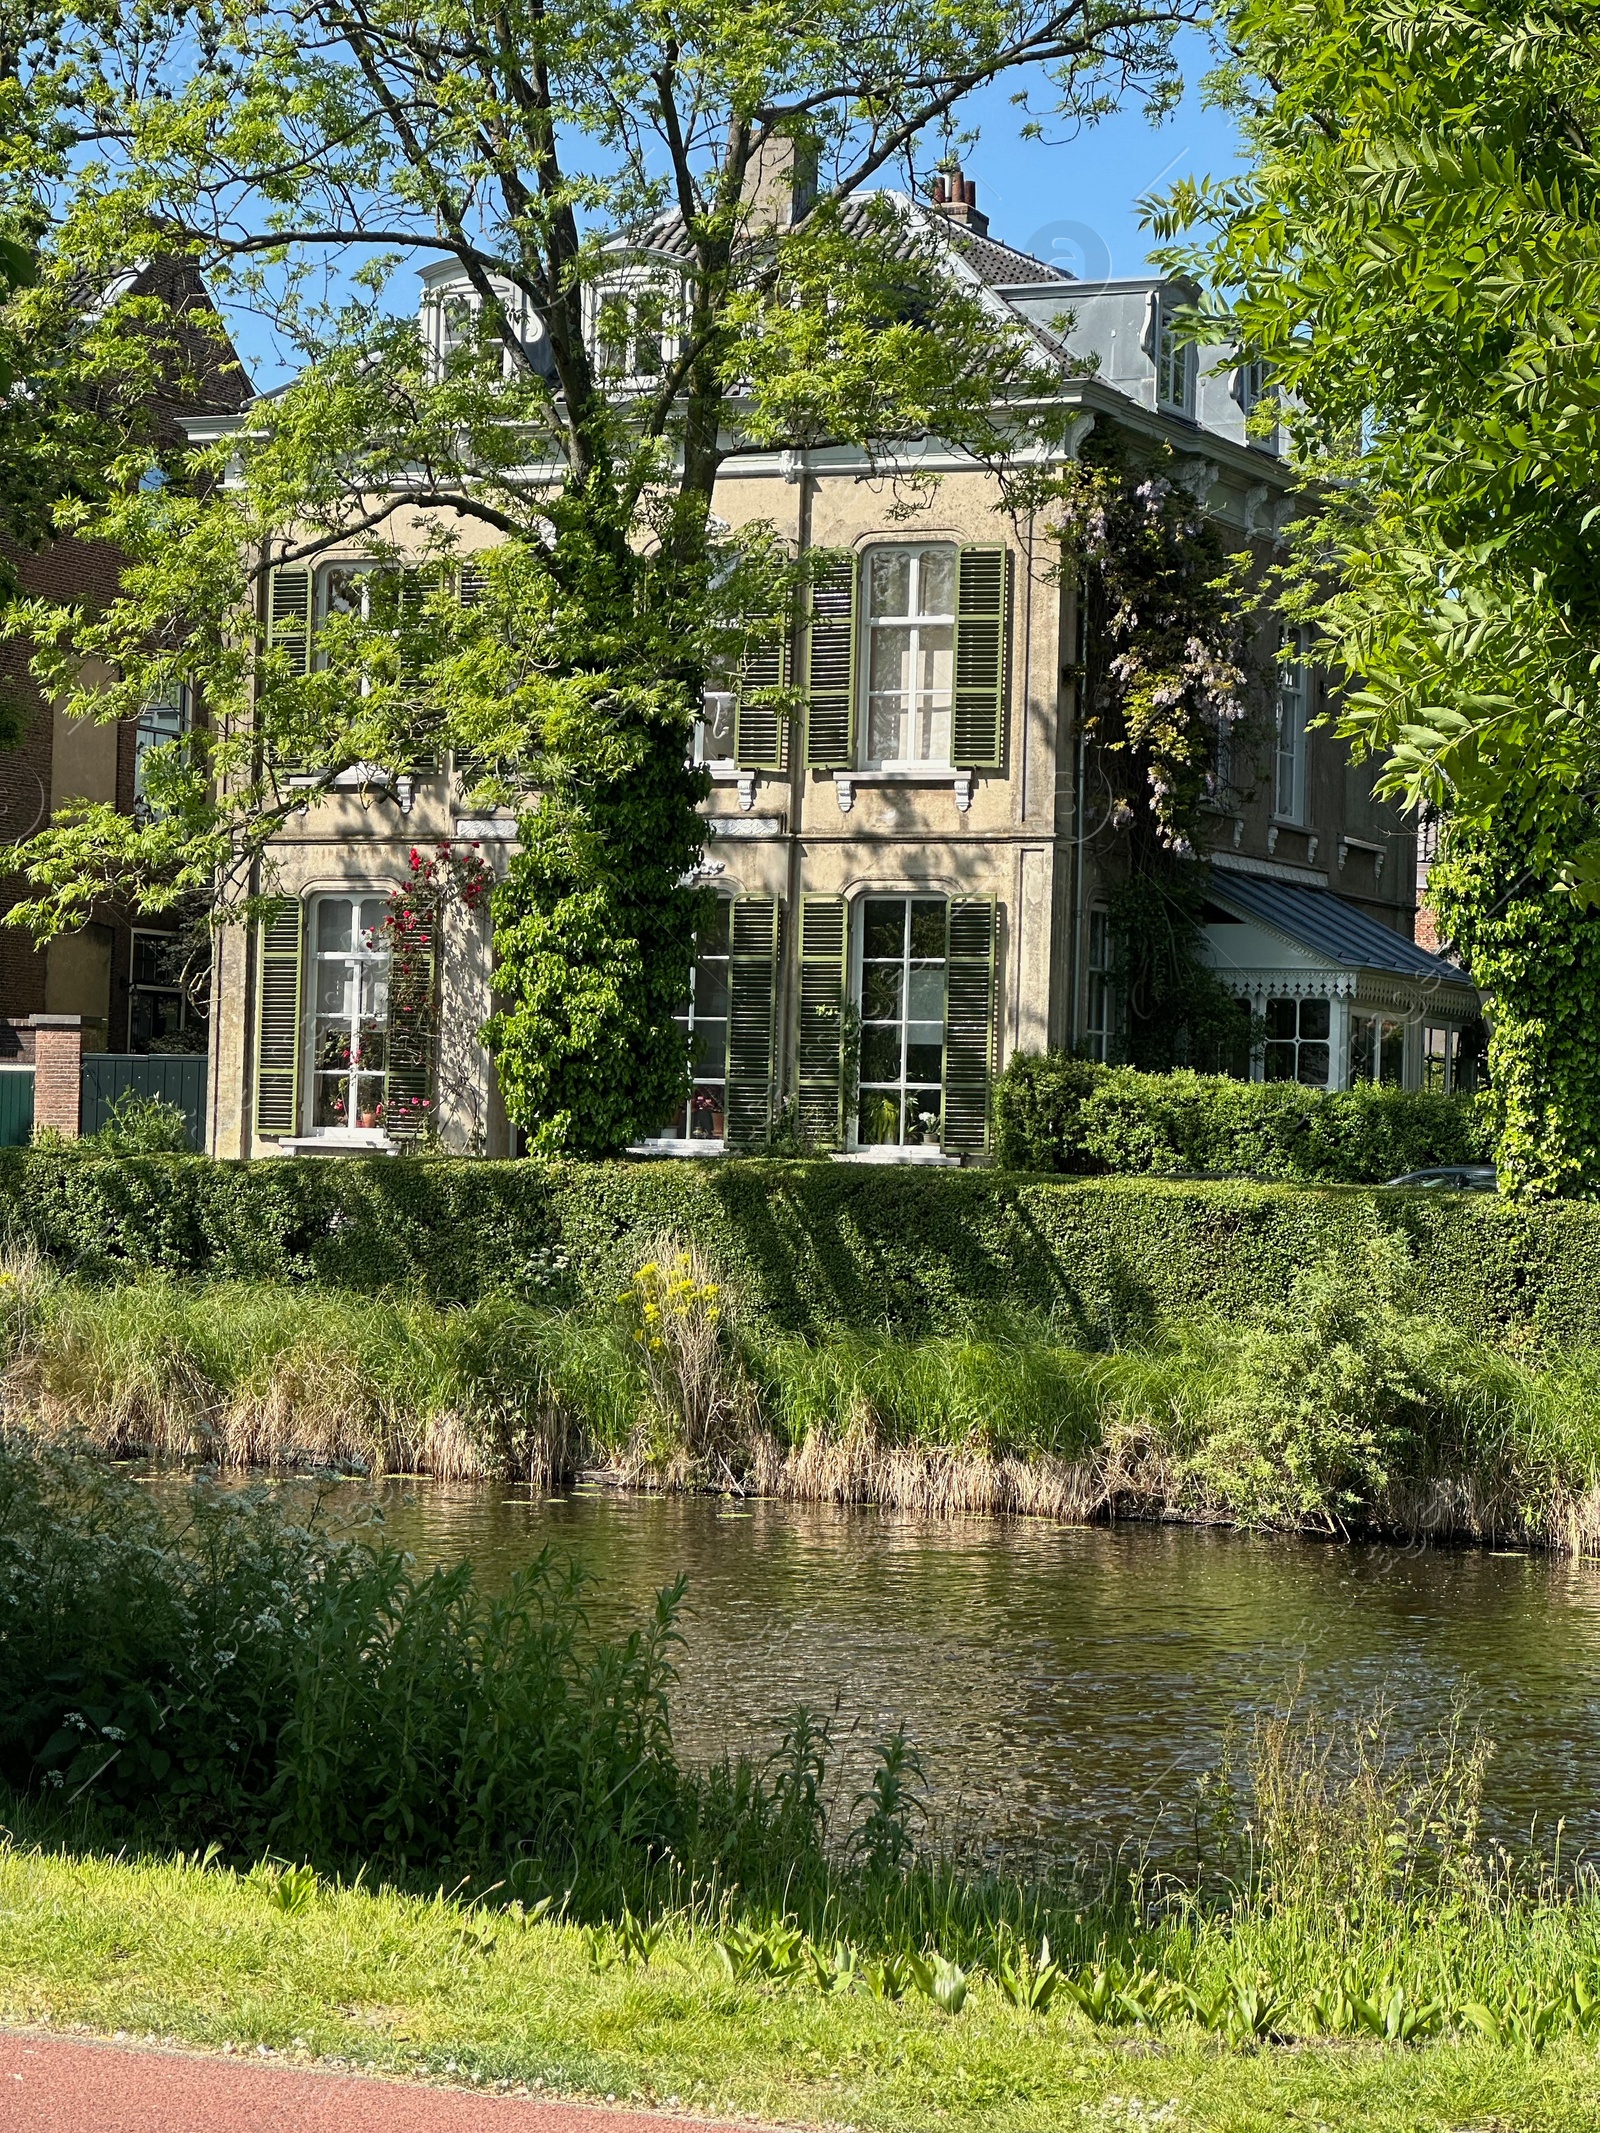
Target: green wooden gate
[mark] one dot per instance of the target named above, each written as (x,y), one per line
(16,1106)
(172,1077)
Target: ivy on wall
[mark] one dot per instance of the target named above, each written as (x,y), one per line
(1535,950)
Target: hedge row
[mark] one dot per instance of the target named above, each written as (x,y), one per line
(1057,1113)
(804,1245)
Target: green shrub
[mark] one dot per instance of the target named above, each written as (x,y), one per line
(141,1125)
(1057,1113)
(260,1682)
(806,1245)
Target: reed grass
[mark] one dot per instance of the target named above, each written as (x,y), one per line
(1343,1406)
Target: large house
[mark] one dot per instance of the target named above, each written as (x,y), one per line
(912,877)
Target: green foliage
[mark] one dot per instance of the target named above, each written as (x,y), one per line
(802,1246)
(1535,948)
(140,1125)
(1415,253)
(1176,1012)
(1172,691)
(1057,1113)
(239,1677)
(576,427)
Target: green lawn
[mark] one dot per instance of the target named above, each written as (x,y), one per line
(399,1985)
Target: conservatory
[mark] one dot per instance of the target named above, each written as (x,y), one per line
(1342,998)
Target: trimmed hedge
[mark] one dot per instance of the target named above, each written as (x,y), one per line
(805,1245)
(1053,1112)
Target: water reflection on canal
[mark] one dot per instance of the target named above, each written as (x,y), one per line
(1064,1680)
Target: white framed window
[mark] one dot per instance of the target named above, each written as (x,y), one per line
(1101,1021)
(704,1020)
(714,729)
(1378,1050)
(1289,753)
(349,1019)
(1440,1049)
(1175,364)
(451,325)
(634,326)
(1298,1044)
(164,719)
(909,624)
(900,945)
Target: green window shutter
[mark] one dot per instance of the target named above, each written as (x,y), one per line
(969,1024)
(278,1023)
(289,615)
(978,725)
(824,933)
(412,1038)
(831,669)
(752,1012)
(759,725)
(414,590)
(471,584)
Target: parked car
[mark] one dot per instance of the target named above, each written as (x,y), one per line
(1452,1177)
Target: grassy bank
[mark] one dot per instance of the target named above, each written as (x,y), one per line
(1347,1404)
(377,1981)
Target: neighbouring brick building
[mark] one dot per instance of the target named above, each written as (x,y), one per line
(116,976)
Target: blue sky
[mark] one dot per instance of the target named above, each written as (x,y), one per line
(1074,202)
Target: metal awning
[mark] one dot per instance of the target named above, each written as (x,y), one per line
(1327,928)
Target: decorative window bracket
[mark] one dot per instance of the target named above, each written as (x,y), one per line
(963,791)
(747,790)
(844,788)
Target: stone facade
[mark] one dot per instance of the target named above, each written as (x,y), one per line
(996,862)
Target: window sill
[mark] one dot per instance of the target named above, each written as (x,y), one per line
(889,1152)
(676,1150)
(961,781)
(354,1141)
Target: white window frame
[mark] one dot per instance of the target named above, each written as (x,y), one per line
(436,321)
(365,958)
(1302,1039)
(1175,363)
(628,286)
(1387,1029)
(900,1086)
(914,623)
(710,1143)
(1289,740)
(721,705)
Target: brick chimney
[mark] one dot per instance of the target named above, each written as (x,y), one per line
(957,197)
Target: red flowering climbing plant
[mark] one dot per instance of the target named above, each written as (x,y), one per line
(440,875)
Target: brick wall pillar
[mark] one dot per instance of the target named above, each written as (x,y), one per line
(59,1043)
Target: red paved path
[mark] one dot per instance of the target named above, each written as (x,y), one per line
(62,2085)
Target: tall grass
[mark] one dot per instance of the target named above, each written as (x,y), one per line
(1343,1405)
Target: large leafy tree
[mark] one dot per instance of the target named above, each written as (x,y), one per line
(302,152)
(1415,254)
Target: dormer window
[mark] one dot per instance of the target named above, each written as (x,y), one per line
(634,327)
(1175,362)
(452,327)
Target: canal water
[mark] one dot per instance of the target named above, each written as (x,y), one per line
(1066,1685)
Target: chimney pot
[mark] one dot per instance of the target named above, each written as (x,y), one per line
(957,198)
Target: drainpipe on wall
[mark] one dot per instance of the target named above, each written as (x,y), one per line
(1080,610)
(785,1021)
